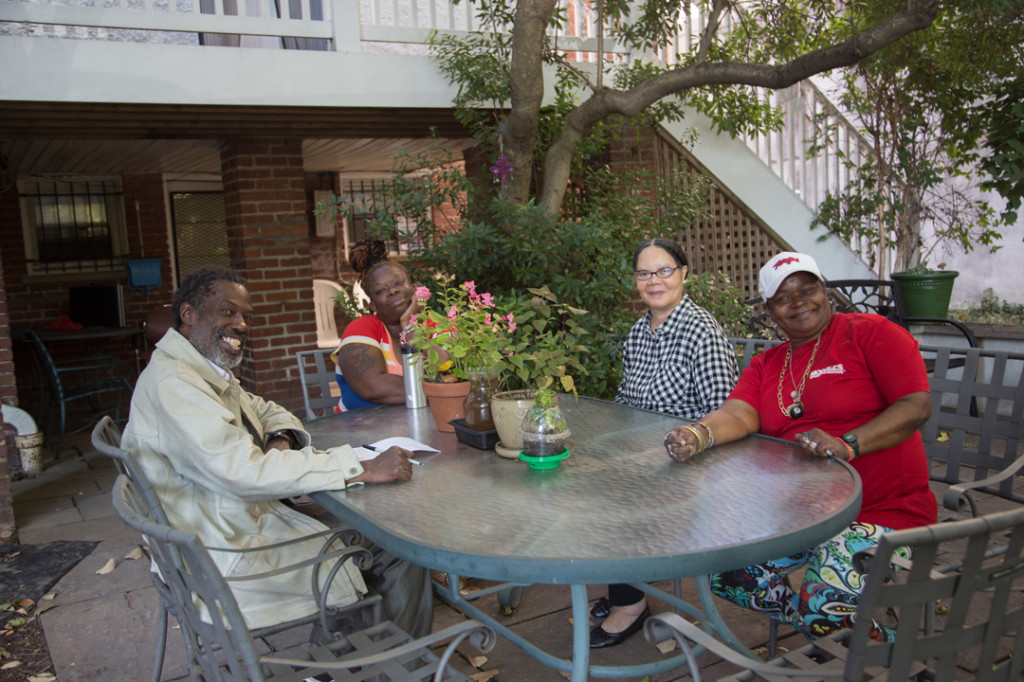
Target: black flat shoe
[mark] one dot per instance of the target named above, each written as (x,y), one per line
(602,607)
(600,639)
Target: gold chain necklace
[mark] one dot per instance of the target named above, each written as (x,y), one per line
(796,410)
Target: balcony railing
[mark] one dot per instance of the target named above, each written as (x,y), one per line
(403,26)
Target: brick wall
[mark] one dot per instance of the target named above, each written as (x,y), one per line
(32,301)
(268,235)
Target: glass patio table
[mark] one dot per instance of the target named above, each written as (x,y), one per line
(617,510)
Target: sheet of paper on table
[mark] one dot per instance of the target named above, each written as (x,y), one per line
(374,449)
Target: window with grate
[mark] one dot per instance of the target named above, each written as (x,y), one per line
(369,200)
(73,224)
(200,230)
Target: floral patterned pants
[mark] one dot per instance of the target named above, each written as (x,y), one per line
(828,596)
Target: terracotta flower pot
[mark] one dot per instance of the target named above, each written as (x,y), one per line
(446,402)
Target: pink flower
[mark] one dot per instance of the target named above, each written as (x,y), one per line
(470,287)
(453,313)
(511,322)
(486,300)
(487,318)
(422,293)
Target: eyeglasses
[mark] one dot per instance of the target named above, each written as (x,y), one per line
(662,273)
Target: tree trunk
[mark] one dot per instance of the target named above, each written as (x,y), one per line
(526,86)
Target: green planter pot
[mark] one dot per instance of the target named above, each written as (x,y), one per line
(926,293)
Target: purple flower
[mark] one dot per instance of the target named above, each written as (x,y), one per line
(502,168)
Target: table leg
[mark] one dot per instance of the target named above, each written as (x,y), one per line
(580,633)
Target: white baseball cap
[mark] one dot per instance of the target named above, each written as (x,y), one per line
(782,266)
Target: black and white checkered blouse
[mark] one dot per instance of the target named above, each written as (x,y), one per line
(686,368)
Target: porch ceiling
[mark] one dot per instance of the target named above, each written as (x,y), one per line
(45,137)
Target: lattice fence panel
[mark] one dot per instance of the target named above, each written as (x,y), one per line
(731,239)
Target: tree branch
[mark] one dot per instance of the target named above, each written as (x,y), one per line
(917,14)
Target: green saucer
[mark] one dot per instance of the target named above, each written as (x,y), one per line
(544,463)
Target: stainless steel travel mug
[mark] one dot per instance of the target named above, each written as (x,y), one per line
(412,375)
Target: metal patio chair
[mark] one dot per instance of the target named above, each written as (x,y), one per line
(747,348)
(73,380)
(320,391)
(968,623)
(222,648)
(106,438)
(978,436)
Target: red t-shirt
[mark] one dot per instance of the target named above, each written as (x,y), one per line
(864,364)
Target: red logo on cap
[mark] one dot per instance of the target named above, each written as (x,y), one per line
(784,261)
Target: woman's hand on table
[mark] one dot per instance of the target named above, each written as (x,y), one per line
(391,465)
(820,444)
(681,444)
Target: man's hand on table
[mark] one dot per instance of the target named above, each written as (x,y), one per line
(391,465)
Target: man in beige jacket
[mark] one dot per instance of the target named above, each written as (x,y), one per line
(220,458)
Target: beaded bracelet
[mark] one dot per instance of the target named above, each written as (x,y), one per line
(711,434)
(848,449)
(696,434)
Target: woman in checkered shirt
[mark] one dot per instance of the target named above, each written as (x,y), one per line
(676,359)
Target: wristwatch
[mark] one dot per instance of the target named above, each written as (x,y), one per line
(286,434)
(851,440)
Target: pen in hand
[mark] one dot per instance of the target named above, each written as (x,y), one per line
(374,449)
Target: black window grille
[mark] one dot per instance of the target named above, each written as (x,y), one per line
(200,230)
(73,224)
(369,200)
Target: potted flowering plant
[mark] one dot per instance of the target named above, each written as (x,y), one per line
(462,337)
(541,358)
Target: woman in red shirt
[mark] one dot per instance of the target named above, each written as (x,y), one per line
(847,385)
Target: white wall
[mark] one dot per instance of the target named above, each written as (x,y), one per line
(1002,271)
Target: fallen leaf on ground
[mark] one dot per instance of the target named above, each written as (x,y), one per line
(484,676)
(44,608)
(667,645)
(475,661)
(136,553)
(107,567)
(10,664)
(42,677)
(50,596)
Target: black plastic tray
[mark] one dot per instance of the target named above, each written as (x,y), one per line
(482,440)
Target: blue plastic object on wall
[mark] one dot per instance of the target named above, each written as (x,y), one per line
(144,273)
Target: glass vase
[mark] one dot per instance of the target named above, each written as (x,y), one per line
(483,384)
